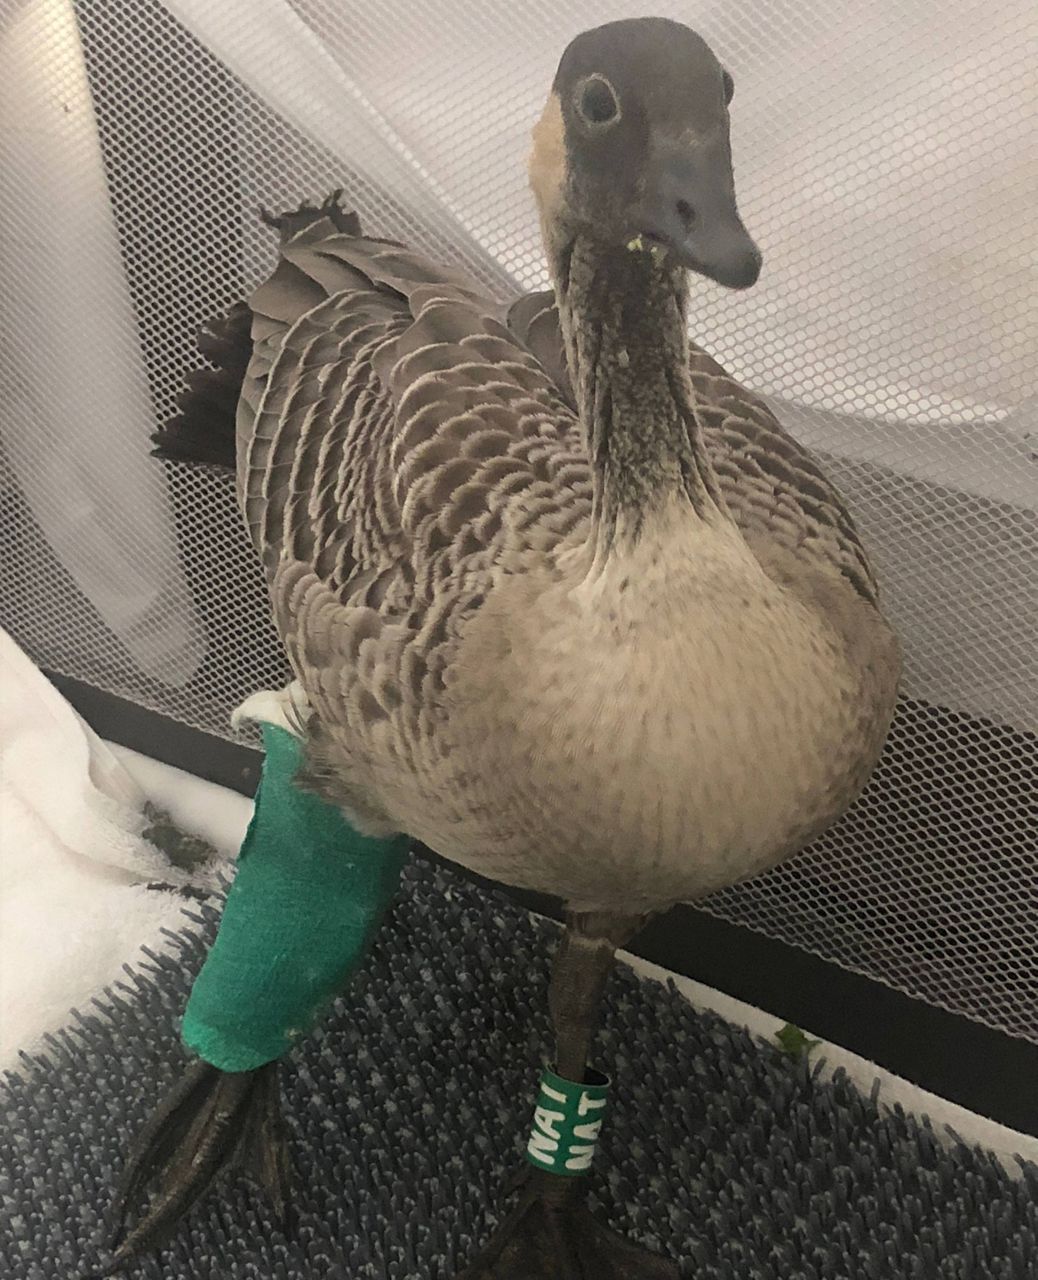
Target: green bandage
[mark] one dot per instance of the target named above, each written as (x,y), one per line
(566,1124)
(305,904)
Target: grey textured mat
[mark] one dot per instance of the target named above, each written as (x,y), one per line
(409,1109)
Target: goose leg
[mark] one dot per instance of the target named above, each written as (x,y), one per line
(212,1121)
(550,1232)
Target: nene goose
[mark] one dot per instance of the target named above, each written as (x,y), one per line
(567,604)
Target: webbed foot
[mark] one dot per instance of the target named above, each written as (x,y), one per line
(212,1121)
(551,1235)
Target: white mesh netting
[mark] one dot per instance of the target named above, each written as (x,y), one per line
(885,164)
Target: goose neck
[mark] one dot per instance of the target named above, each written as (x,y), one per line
(623,315)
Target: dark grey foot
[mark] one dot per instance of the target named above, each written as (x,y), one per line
(212,1121)
(551,1235)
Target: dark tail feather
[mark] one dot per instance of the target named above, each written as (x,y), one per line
(287,224)
(203,432)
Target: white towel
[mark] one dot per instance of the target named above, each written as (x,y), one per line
(74,860)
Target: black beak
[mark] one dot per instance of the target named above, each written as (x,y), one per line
(690,209)
(731,258)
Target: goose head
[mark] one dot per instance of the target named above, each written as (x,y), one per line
(633,149)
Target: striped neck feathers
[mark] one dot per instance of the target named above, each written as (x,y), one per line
(624,323)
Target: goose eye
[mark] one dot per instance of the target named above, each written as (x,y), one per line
(729,86)
(596,101)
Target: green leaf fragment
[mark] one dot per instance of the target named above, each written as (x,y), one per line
(793,1041)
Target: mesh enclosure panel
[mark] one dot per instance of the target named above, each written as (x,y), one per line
(884,163)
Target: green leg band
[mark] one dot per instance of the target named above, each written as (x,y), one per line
(566,1124)
(305,904)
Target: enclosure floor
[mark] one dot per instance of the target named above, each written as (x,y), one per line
(408,1111)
